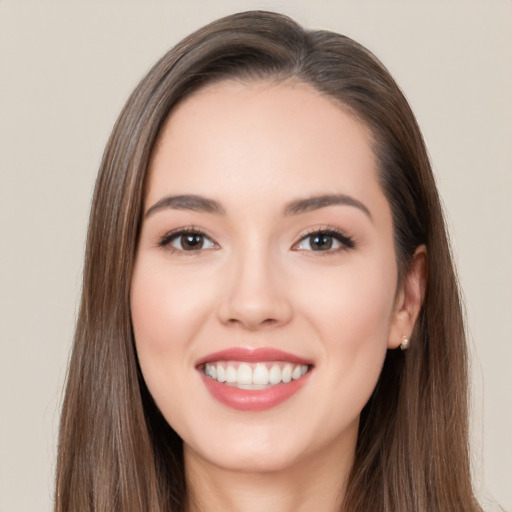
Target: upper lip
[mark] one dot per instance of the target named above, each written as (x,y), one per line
(252,355)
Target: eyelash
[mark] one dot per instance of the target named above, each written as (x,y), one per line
(346,242)
(166,240)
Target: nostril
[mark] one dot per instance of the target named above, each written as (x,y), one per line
(254,323)
(252,304)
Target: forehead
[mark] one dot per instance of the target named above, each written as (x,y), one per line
(256,135)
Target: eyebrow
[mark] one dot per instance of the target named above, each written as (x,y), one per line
(187,202)
(204,204)
(315,203)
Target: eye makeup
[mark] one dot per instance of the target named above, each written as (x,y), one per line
(326,239)
(186,239)
(192,239)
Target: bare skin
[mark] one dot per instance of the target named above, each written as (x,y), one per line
(307,487)
(252,258)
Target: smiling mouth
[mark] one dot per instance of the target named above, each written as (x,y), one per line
(253,379)
(254,376)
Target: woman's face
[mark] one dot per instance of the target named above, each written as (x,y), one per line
(264,295)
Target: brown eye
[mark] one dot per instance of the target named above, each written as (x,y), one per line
(324,241)
(320,242)
(190,241)
(187,240)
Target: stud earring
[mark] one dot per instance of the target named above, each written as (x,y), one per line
(405,343)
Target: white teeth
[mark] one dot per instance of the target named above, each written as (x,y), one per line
(230,374)
(275,375)
(257,376)
(244,374)
(221,373)
(296,372)
(260,375)
(287,373)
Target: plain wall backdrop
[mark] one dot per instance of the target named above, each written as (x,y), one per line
(66,69)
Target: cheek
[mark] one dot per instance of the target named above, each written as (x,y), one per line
(166,305)
(167,308)
(352,314)
(351,305)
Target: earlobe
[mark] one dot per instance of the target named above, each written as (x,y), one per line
(409,300)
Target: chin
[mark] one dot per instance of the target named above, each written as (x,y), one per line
(271,448)
(246,459)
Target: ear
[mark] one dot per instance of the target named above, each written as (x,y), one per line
(409,299)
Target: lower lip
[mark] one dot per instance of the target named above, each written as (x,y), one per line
(253,399)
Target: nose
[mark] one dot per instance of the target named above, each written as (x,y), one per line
(255,294)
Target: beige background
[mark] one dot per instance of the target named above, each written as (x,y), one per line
(67,67)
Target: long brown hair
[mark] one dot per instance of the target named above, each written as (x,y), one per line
(116,452)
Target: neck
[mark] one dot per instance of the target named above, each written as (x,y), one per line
(311,484)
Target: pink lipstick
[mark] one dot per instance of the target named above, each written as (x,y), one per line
(253,379)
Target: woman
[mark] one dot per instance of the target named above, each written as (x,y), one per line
(265,236)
